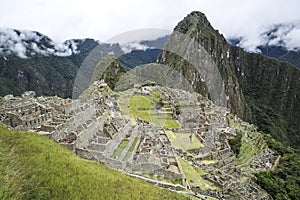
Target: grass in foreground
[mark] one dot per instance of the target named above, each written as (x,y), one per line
(34,167)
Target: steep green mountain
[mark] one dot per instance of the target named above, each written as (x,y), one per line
(51,75)
(261,90)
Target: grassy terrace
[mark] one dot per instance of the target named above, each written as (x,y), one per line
(144,108)
(134,143)
(131,148)
(34,167)
(251,145)
(182,141)
(118,151)
(192,174)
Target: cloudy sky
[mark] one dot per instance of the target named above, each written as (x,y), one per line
(102,20)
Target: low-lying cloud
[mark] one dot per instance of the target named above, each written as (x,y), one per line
(284,35)
(29,43)
(128,47)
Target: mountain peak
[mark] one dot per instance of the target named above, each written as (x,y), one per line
(196,20)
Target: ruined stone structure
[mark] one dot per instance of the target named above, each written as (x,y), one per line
(94,127)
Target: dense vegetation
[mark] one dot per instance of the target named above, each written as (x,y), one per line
(271,90)
(236,143)
(45,75)
(34,167)
(284,181)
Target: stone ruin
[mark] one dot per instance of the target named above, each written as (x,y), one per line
(94,128)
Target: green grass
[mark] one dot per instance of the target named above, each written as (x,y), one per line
(182,141)
(140,102)
(118,151)
(191,173)
(131,148)
(34,167)
(166,122)
(155,96)
(143,107)
(134,143)
(254,145)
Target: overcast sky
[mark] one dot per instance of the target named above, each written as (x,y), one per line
(101,20)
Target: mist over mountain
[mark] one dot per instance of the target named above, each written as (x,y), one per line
(30,60)
(279,41)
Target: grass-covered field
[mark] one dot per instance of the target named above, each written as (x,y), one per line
(192,174)
(118,151)
(182,141)
(34,167)
(144,108)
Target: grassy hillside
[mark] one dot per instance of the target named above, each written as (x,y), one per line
(34,167)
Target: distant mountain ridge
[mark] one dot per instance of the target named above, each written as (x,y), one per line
(30,60)
(26,44)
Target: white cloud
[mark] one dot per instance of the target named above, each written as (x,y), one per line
(285,35)
(102,20)
(20,50)
(293,39)
(26,42)
(128,47)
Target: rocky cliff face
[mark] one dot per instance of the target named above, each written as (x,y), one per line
(258,89)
